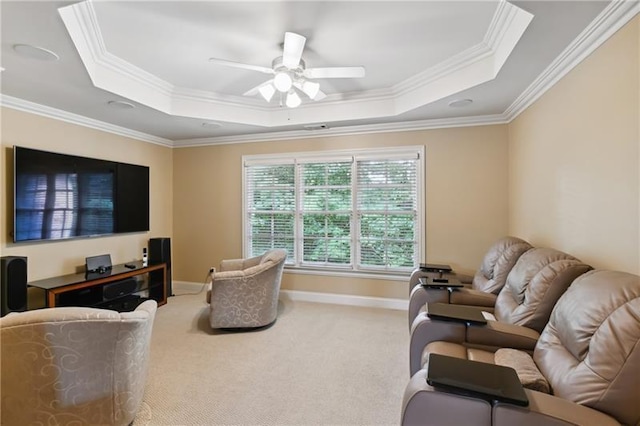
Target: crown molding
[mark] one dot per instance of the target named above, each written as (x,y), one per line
(471,67)
(68,117)
(611,19)
(404,126)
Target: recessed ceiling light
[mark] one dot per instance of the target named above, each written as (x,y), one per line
(120,105)
(460,103)
(35,52)
(211,125)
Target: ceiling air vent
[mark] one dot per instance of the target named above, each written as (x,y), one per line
(321,126)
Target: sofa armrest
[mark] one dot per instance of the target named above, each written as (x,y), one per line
(424,331)
(465,279)
(239,264)
(548,409)
(423,405)
(419,273)
(496,334)
(470,297)
(490,336)
(420,296)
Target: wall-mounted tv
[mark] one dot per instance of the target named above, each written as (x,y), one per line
(60,196)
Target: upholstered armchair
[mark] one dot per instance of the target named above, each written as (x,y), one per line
(482,289)
(588,356)
(244,293)
(74,365)
(522,308)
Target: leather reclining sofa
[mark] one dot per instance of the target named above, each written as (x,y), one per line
(557,322)
(522,308)
(588,354)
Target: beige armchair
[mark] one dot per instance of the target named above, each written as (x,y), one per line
(589,354)
(74,365)
(244,293)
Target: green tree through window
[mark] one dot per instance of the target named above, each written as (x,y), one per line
(358,212)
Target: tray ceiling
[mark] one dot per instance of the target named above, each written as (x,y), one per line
(419,56)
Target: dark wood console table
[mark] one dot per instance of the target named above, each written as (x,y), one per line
(86,289)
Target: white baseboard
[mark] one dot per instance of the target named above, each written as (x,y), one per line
(338,299)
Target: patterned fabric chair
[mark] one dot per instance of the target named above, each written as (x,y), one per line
(74,365)
(244,293)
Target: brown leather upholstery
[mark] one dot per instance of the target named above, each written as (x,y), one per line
(534,285)
(589,352)
(487,281)
(539,277)
(497,264)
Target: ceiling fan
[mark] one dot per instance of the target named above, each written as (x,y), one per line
(290,75)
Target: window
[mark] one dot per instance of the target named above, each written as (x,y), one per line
(357,212)
(62,205)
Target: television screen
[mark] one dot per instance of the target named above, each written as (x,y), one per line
(58,196)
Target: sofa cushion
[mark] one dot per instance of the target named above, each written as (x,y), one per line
(528,373)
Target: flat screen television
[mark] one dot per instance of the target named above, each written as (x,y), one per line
(60,196)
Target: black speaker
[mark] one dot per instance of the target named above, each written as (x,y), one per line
(13,283)
(160,252)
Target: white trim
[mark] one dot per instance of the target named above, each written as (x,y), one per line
(346,299)
(346,274)
(403,126)
(190,286)
(58,114)
(473,66)
(612,18)
(316,297)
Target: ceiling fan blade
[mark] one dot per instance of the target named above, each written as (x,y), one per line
(334,72)
(255,90)
(320,96)
(226,63)
(292,50)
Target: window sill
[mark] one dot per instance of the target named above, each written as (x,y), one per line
(387,276)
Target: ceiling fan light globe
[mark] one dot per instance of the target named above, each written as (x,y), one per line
(311,89)
(293,100)
(282,82)
(267,92)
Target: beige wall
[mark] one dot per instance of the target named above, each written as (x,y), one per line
(574,179)
(48,259)
(466,197)
(564,174)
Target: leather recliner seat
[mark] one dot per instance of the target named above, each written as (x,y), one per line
(589,353)
(523,306)
(483,289)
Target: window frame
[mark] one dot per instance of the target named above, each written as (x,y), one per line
(295,158)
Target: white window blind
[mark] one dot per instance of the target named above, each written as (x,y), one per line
(357,212)
(326,213)
(387,211)
(270,207)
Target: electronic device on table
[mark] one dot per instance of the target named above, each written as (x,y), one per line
(435,267)
(476,379)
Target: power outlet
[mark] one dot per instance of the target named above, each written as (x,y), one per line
(212,270)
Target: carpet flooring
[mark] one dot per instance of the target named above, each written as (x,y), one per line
(319,364)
